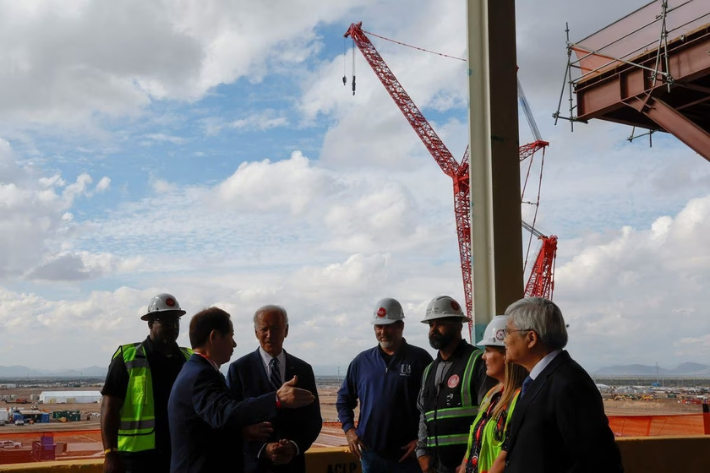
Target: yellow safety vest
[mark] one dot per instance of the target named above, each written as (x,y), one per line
(491,443)
(136,431)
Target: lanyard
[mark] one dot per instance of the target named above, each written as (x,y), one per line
(472,462)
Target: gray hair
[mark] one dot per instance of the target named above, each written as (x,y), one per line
(541,315)
(271,308)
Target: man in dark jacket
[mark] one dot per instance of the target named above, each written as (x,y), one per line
(262,372)
(386,380)
(206,423)
(452,389)
(559,423)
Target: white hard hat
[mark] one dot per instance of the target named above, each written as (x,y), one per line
(387,311)
(443,307)
(494,333)
(163,303)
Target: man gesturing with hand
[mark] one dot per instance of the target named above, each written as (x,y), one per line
(207,424)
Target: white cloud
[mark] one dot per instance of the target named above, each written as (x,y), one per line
(103,184)
(35,218)
(67,64)
(367,214)
(81,265)
(161,186)
(77,188)
(162,137)
(631,285)
(265,186)
(261,121)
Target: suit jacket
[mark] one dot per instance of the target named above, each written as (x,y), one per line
(246,378)
(206,421)
(559,424)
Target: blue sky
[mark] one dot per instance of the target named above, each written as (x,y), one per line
(209,149)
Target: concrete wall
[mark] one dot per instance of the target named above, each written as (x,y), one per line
(640,455)
(665,454)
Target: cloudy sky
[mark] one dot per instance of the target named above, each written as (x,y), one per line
(209,149)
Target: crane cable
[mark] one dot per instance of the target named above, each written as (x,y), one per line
(414,47)
(526,110)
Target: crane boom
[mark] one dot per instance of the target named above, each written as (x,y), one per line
(542,277)
(411,112)
(459,172)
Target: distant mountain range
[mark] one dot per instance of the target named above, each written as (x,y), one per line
(18,372)
(688,369)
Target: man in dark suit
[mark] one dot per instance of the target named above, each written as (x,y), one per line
(261,372)
(205,421)
(559,423)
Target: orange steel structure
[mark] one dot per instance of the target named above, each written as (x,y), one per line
(650,69)
(458,172)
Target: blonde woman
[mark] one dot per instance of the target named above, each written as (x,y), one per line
(488,431)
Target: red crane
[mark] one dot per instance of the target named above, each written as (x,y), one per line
(458,172)
(541,282)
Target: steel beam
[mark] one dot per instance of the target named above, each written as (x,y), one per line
(688,62)
(675,123)
(495,167)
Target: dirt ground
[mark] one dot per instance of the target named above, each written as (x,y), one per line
(83,439)
(655,407)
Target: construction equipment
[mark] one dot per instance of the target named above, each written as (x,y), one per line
(541,282)
(458,172)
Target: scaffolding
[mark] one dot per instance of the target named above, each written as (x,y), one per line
(650,69)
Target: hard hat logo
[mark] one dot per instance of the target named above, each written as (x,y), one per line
(163,303)
(494,334)
(387,311)
(443,307)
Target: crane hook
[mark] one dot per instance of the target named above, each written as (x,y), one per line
(353,84)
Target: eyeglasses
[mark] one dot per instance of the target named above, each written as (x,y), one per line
(167,320)
(508,331)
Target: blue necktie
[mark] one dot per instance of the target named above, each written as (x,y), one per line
(526,384)
(275,374)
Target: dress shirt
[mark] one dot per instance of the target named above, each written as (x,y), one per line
(542,364)
(266,358)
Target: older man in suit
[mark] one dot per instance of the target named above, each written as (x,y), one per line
(261,372)
(205,420)
(559,423)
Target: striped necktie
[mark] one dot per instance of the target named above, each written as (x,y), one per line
(526,384)
(275,374)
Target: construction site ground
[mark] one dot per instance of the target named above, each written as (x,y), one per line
(82,439)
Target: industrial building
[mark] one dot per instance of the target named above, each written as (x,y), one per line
(71,397)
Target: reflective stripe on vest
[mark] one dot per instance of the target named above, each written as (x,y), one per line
(446,440)
(466,397)
(467,409)
(451,412)
(137,426)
